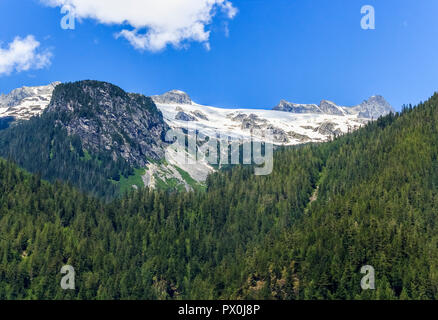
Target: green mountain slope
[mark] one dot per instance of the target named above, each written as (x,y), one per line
(303,232)
(377,205)
(91,135)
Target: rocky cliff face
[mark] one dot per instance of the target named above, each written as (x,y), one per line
(173,97)
(373,108)
(107,118)
(26,102)
(130,127)
(329,107)
(297,108)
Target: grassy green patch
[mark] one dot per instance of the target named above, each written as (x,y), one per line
(125,184)
(87,156)
(169,184)
(190,181)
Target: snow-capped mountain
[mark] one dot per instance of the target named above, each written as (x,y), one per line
(173,97)
(372,108)
(289,124)
(26,102)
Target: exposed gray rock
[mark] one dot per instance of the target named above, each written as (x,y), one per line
(17,95)
(300,137)
(238,118)
(249,124)
(26,102)
(107,118)
(200,115)
(279,135)
(297,108)
(329,107)
(182,116)
(173,97)
(374,107)
(328,129)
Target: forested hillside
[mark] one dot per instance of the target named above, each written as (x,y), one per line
(377,205)
(46,149)
(91,135)
(303,232)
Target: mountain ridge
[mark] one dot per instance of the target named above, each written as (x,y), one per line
(26,102)
(18,100)
(371,108)
(369,198)
(131,127)
(92,134)
(106,117)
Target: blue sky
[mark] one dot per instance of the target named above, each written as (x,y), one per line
(298,50)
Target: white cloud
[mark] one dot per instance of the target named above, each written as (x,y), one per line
(154,23)
(22,54)
(226,30)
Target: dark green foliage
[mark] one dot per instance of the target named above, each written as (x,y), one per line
(41,147)
(50,146)
(149,244)
(5,122)
(377,205)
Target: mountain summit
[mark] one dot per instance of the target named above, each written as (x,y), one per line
(92,134)
(26,102)
(373,108)
(127,130)
(297,108)
(107,118)
(173,97)
(329,107)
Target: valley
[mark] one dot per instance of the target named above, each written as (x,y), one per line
(300,233)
